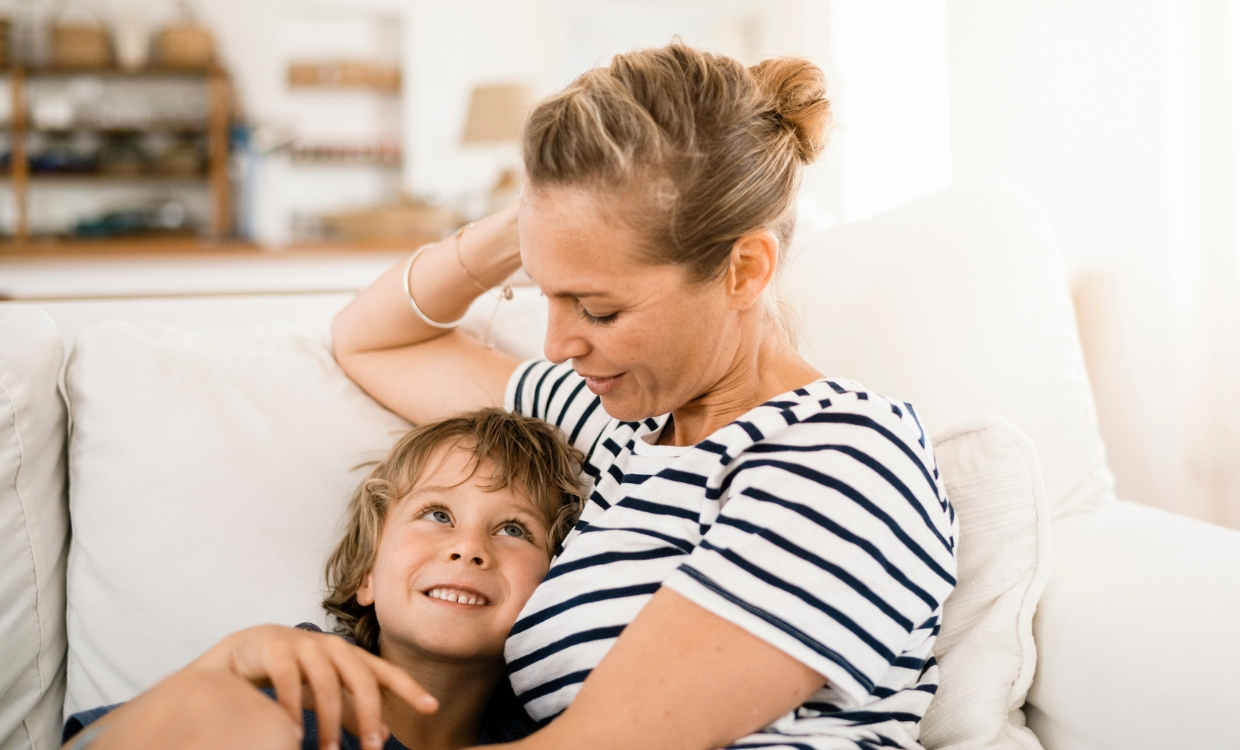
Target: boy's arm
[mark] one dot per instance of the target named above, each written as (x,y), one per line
(213,703)
(193,710)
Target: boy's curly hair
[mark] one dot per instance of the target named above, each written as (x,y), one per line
(529,455)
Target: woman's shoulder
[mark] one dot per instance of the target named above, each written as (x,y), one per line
(838,410)
(837,435)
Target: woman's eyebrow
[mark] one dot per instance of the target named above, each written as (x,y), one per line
(578,295)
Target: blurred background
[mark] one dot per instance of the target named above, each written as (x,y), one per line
(155,147)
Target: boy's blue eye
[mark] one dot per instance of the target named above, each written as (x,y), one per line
(440,516)
(512,530)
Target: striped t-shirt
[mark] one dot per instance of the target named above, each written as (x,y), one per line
(816,521)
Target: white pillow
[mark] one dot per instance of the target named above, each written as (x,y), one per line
(985,647)
(209,471)
(956,302)
(34,530)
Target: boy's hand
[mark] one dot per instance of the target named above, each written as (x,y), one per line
(344,681)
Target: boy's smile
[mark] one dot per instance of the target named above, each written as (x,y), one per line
(458,596)
(455,564)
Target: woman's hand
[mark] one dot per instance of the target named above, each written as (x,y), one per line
(340,681)
(420,372)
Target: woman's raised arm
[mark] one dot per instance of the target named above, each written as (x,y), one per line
(419,371)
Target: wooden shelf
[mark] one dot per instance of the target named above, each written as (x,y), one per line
(345,75)
(49,246)
(106,177)
(169,243)
(150,72)
(332,163)
(179,128)
(216,128)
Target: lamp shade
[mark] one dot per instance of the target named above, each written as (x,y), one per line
(496,113)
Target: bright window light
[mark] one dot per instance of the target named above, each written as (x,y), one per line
(895,125)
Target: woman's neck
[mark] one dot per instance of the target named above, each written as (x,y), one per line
(759,373)
(464,690)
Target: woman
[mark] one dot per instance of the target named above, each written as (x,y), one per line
(765,554)
(777,544)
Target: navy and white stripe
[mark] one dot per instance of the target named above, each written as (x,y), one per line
(816,522)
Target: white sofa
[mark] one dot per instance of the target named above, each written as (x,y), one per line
(954,302)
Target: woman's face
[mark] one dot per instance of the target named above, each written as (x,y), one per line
(646,340)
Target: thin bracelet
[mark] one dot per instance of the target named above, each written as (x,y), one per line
(409,294)
(460,233)
(505,293)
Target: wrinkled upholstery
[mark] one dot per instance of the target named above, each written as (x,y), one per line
(34,527)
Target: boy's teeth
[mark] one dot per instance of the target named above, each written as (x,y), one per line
(453,595)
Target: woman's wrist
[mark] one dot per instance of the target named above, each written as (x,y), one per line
(490,250)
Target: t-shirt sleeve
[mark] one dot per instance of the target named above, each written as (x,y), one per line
(835,544)
(83,719)
(557,394)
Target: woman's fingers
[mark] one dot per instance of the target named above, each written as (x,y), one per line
(365,715)
(320,671)
(325,682)
(398,682)
(285,676)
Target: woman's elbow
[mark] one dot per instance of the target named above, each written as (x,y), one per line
(343,342)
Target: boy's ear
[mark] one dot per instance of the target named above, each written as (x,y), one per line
(366,592)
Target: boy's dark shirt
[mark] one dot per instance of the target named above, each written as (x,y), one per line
(505,720)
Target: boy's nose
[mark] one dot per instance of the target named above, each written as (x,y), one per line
(476,559)
(470,548)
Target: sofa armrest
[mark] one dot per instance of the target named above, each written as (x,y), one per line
(1137,633)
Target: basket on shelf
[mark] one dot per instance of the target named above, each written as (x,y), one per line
(80,40)
(186,46)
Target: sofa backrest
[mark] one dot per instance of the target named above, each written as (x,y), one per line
(957,303)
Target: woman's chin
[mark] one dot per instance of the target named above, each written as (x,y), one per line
(625,409)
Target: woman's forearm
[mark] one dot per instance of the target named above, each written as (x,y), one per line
(380,317)
(679,678)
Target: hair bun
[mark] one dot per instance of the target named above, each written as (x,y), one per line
(799,93)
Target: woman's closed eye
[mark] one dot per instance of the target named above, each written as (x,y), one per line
(599,320)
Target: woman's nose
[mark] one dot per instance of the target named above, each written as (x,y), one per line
(563,342)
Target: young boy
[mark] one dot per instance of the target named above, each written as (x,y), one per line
(446,540)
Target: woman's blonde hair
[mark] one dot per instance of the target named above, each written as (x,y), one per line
(528,455)
(701,148)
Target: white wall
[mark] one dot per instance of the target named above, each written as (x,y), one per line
(886,64)
(1117,116)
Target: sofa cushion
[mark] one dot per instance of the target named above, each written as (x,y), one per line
(209,471)
(956,302)
(985,647)
(1137,646)
(34,529)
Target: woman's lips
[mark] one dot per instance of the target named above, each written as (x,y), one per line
(602,386)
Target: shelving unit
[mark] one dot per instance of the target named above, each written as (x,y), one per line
(215,127)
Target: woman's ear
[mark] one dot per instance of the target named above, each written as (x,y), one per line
(755,256)
(366,592)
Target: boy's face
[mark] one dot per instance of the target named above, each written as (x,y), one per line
(455,564)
